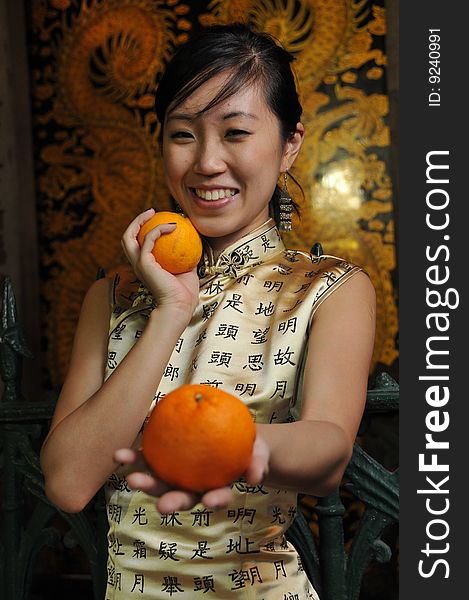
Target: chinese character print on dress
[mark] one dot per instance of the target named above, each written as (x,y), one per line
(248,336)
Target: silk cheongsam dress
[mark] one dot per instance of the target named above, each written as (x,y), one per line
(248,336)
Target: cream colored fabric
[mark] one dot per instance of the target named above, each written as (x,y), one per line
(248,336)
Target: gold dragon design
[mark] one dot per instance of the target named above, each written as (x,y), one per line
(98,162)
(102,166)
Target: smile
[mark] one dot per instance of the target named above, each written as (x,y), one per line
(216,194)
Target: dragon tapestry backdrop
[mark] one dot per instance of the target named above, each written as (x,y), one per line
(95,66)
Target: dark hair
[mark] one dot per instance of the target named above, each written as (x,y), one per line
(251,57)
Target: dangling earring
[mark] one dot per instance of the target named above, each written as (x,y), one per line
(286,207)
(179,209)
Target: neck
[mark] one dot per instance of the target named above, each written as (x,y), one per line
(219,244)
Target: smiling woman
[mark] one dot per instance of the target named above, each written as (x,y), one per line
(208,151)
(286,332)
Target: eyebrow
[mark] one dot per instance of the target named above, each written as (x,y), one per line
(231,115)
(180,117)
(239,113)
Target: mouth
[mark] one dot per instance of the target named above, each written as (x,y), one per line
(214,194)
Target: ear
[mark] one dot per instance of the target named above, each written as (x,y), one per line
(292,147)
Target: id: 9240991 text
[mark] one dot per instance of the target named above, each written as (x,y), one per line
(434,71)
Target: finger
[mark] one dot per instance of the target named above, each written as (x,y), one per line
(256,471)
(129,238)
(142,218)
(219,498)
(259,465)
(127,456)
(154,234)
(177,500)
(147,483)
(134,226)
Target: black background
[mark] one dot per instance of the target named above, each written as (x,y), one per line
(421,130)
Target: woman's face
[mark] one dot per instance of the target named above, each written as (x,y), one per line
(222,166)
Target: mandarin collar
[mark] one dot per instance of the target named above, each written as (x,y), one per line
(241,256)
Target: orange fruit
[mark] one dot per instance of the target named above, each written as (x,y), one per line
(199,438)
(178,251)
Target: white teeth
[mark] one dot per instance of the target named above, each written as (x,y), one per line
(214,194)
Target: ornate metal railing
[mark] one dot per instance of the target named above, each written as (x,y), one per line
(26,514)
(338,574)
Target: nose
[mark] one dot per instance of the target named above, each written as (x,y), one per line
(209,159)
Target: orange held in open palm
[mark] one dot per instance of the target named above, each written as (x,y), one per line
(178,251)
(199,438)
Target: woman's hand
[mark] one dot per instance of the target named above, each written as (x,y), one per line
(139,477)
(178,291)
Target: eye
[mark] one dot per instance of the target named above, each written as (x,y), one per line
(236,133)
(180,135)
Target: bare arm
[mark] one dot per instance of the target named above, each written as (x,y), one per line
(93,417)
(311,455)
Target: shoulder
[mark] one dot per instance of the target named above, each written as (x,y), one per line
(93,323)
(98,293)
(95,307)
(322,276)
(356,296)
(316,266)
(319,266)
(113,294)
